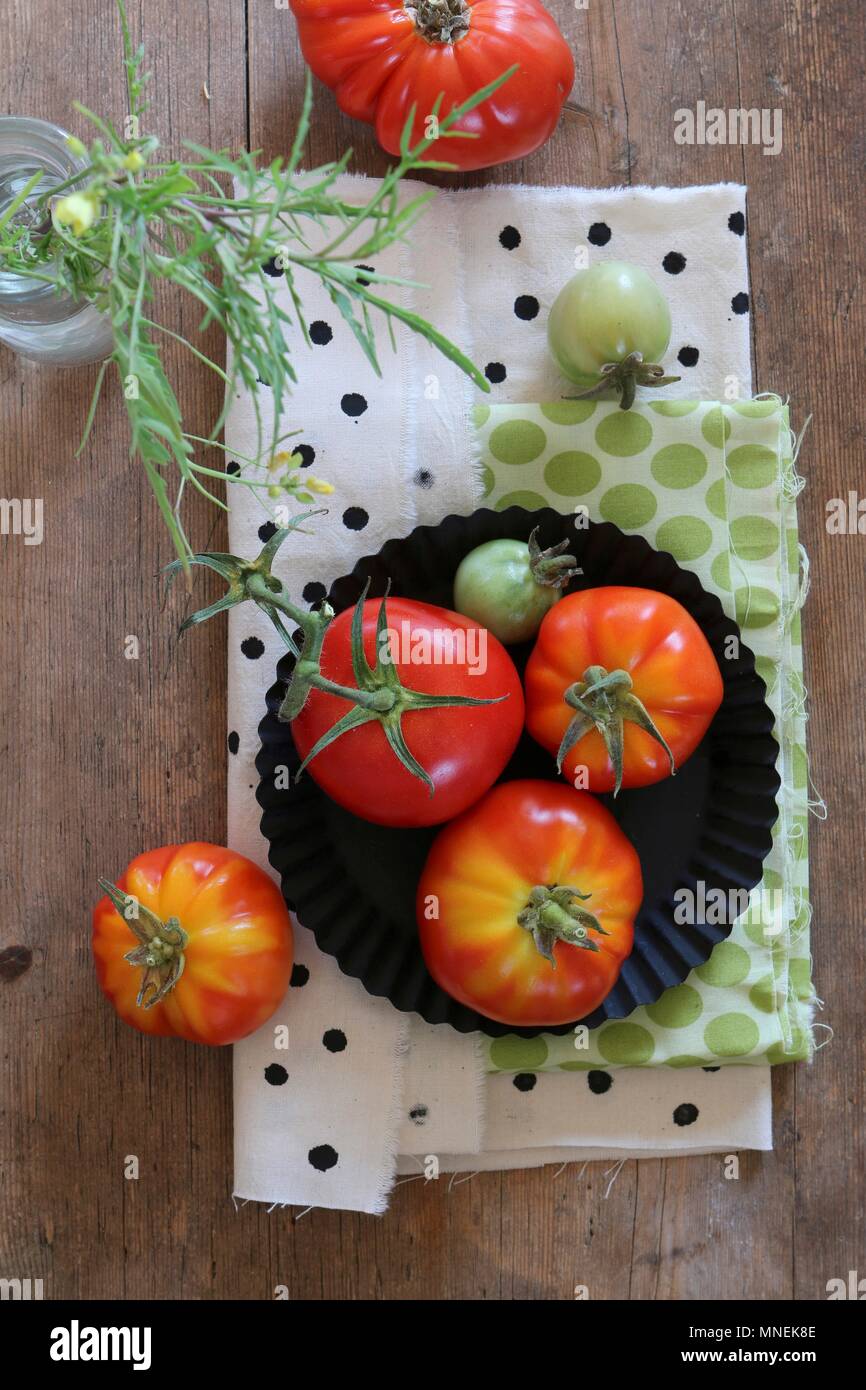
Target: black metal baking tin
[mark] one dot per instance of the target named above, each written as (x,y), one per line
(712,822)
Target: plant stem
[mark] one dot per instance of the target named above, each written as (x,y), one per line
(21,197)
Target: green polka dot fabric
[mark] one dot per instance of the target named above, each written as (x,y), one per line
(714,484)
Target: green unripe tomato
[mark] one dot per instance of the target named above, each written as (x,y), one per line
(603,314)
(508,586)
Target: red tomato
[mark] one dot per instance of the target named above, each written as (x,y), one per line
(462,748)
(237,952)
(382,57)
(489,904)
(670,670)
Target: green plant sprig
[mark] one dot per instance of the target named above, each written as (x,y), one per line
(220,228)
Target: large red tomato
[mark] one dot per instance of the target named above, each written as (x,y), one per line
(462,748)
(609,666)
(526,904)
(207,930)
(382,57)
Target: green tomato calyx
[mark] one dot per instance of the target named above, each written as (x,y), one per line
(603,700)
(551,568)
(625,377)
(554,913)
(378,692)
(160,952)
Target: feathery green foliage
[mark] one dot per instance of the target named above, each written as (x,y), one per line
(209,224)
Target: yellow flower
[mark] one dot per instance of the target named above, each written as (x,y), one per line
(134,161)
(279,461)
(313,484)
(77,211)
(76,146)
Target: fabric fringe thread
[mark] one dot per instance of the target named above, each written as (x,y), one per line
(392,1130)
(795,708)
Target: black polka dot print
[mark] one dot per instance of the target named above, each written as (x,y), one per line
(674,263)
(267,530)
(271,268)
(233,468)
(737,223)
(275,1075)
(525,1080)
(740,303)
(599,1082)
(306,453)
(710,1068)
(353,404)
(526,306)
(233,741)
(423,478)
(685,1114)
(418,1114)
(262,382)
(334,1040)
(598,234)
(300,976)
(323,1157)
(355,518)
(253,648)
(495,372)
(510,238)
(688,356)
(362,279)
(321,333)
(314,592)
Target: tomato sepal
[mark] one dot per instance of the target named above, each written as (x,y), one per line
(160,954)
(552,915)
(604,700)
(440,21)
(552,568)
(624,378)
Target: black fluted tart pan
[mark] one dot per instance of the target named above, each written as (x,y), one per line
(712,823)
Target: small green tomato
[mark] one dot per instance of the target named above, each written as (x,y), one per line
(508,586)
(609,328)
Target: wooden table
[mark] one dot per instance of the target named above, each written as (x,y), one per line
(103,756)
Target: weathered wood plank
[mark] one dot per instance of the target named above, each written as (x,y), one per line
(103,756)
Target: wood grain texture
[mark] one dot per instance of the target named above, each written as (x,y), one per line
(103,756)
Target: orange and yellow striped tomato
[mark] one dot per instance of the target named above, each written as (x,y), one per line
(526,904)
(210,939)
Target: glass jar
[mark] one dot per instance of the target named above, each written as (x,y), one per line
(34,320)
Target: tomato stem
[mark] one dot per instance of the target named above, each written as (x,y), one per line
(554,913)
(604,700)
(160,954)
(551,568)
(624,377)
